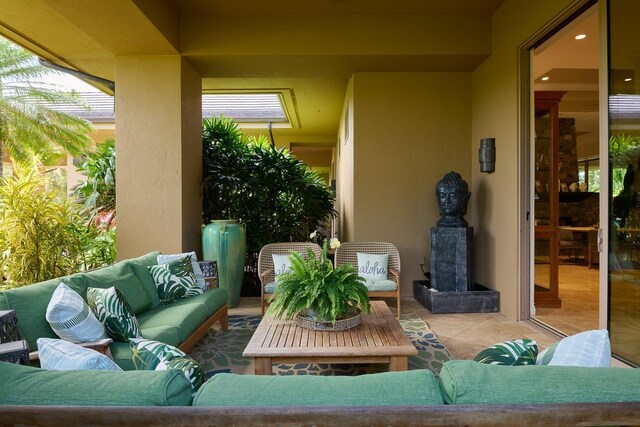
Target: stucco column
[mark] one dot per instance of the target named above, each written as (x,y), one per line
(158,155)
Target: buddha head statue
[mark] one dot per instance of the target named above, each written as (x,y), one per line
(452,193)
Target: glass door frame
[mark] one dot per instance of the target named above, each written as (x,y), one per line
(526,156)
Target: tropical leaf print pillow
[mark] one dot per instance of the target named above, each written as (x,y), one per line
(112,309)
(158,356)
(175,280)
(511,353)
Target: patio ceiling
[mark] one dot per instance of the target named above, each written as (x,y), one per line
(310,47)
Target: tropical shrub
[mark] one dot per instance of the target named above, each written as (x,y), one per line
(98,192)
(40,237)
(276,195)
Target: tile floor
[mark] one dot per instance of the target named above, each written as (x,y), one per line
(464,335)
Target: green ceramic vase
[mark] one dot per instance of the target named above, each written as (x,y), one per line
(224,241)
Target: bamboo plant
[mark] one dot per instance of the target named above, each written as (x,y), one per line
(314,284)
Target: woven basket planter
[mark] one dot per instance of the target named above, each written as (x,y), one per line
(309,321)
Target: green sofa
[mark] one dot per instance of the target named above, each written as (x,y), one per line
(466,393)
(181,323)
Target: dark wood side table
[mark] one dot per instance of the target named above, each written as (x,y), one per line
(15,352)
(8,326)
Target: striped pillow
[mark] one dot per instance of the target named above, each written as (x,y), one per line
(71,318)
(60,355)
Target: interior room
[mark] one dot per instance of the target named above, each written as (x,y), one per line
(567,176)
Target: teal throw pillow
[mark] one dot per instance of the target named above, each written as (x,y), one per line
(510,353)
(60,355)
(111,308)
(158,356)
(372,266)
(71,318)
(175,280)
(281,264)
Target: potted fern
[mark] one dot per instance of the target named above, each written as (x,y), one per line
(320,296)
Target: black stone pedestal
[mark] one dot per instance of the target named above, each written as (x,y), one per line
(451,250)
(478,299)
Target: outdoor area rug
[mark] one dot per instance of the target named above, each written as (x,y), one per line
(221,351)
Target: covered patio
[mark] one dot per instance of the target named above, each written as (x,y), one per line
(401,93)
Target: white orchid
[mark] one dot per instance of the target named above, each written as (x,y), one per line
(313,235)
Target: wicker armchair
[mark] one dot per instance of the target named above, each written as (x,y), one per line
(347,254)
(265,263)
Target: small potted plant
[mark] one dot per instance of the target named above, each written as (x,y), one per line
(320,296)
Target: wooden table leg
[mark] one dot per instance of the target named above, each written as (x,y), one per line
(398,363)
(263,366)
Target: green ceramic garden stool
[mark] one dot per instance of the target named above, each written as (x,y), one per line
(224,241)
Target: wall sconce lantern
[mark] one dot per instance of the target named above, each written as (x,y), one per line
(487,155)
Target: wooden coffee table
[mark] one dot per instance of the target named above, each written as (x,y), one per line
(379,339)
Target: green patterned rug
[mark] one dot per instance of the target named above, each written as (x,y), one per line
(221,351)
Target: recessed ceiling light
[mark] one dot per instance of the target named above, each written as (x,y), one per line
(628,79)
(581,36)
(545,78)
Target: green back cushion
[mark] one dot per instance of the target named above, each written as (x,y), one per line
(465,382)
(139,266)
(35,386)
(417,387)
(30,303)
(122,277)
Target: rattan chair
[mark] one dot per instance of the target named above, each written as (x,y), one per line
(347,254)
(265,262)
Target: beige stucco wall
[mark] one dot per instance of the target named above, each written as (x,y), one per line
(345,170)
(495,197)
(409,130)
(158,137)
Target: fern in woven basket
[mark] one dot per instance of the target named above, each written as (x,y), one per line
(314,284)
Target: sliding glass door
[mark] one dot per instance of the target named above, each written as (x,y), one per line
(624,157)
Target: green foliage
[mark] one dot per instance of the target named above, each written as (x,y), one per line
(624,150)
(98,192)
(315,284)
(43,235)
(29,128)
(40,238)
(99,246)
(276,195)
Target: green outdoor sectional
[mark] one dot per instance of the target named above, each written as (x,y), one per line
(181,323)
(467,392)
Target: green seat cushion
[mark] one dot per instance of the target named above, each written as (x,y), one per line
(381,285)
(186,315)
(417,387)
(30,303)
(165,334)
(213,299)
(26,385)
(121,276)
(139,266)
(465,382)
(121,354)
